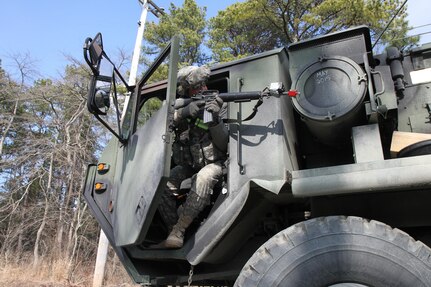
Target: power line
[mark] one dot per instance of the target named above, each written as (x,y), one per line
(387,26)
(420,34)
(411,36)
(421,26)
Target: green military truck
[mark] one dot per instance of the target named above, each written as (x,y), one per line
(327,184)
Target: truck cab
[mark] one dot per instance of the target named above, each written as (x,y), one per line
(342,153)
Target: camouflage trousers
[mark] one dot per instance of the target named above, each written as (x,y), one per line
(198,197)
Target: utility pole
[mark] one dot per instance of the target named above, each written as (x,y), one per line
(138,43)
(102,249)
(102,255)
(147,5)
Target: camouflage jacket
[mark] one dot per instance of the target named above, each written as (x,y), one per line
(197,144)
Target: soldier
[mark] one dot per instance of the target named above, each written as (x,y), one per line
(199,151)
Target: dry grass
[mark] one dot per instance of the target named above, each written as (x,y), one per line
(54,274)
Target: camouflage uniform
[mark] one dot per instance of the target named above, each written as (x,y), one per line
(198,152)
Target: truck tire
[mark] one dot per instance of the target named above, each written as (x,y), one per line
(327,251)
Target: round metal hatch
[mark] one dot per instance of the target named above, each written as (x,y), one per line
(329,88)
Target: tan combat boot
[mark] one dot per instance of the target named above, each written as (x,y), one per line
(176,237)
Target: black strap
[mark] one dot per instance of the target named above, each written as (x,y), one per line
(252,115)
(259,102)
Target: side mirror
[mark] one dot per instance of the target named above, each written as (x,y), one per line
(101,99)
(103,85)
(93,52)
(99,95)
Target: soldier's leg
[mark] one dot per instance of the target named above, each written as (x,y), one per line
(168,205)
(197,199)
(202,188)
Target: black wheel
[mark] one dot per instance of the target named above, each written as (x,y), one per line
(419,148)
(330,251)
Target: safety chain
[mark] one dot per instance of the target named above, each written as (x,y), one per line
(189,281)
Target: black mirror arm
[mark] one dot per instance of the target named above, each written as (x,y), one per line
(115,99)
(129,88)
(103,78)
(121,139)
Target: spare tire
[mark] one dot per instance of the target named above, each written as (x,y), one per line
(331,250)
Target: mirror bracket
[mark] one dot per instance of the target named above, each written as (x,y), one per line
(119,137)
(98,102)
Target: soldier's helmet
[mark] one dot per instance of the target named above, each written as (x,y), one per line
(192,77)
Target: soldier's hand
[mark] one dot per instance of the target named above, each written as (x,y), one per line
(192,109)
(214,107)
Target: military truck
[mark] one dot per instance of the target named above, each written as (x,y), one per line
(328,183)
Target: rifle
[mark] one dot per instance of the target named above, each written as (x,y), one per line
(275,89)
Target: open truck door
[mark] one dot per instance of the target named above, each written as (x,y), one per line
(124,187)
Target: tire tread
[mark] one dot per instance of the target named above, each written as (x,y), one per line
(287,239)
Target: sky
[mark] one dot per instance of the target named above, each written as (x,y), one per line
(50,30)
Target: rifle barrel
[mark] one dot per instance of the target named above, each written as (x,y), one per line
(226,97)
(240,96)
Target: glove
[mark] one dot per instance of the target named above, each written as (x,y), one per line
(191,110)
(214,107)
